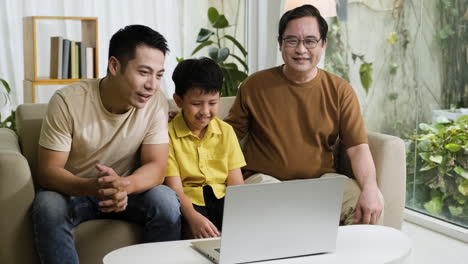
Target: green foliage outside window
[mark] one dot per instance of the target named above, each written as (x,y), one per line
(439,164)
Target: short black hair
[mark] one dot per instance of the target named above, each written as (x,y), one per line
(203,73)
(125,41)
(300,12)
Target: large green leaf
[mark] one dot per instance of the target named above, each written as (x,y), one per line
(434,206)
(223,54)
(452,147)
(221,22)
(455,210)
(462,172)
(241,62)
(239,76)
(229,85)
(365,72)
(6,85)
(436,158)
(204,35)
(429,127)
(229,66)
(213,14)
(424,156)
(218,55)
(201,46)
(233,78)
(238,45)
(463,188)
(424,145)
(179,59)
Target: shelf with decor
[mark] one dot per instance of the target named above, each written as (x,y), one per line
(58,51)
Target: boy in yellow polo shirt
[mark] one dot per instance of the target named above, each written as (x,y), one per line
(205,155)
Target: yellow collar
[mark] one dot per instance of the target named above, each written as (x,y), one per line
(182,129)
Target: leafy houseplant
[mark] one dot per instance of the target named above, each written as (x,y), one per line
(9,121)
(233,76)
(441,174)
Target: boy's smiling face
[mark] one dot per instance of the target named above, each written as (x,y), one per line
(198,109)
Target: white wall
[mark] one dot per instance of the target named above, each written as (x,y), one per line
(179,21)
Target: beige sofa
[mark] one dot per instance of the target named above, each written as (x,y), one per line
(96,238)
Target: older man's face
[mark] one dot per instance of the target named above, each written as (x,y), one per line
(301,60)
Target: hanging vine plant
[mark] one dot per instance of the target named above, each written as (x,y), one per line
(453,39)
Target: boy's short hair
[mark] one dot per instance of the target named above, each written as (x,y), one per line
(202,73)
(124,42)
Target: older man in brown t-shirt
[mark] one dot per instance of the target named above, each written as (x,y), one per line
(295,113)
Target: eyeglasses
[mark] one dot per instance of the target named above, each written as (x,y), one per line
(293,42)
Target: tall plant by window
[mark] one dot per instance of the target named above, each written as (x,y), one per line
(215,40)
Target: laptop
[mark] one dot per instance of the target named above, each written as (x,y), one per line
(277,220)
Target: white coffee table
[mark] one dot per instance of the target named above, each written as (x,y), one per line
(357,244)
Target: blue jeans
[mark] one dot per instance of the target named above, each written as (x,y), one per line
(54,216)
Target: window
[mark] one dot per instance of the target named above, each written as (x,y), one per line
(407,61)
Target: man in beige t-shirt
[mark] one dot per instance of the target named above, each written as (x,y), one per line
(103,150)
(295,113)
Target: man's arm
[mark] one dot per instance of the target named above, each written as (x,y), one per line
(53,175)
(369,206)
(151,173)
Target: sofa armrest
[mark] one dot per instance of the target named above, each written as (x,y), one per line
(16,196)
(389,157)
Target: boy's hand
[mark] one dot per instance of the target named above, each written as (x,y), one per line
(201,227)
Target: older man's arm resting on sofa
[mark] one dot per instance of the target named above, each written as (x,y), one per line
(369,206)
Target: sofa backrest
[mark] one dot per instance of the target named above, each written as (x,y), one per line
(28,127)
(29,122)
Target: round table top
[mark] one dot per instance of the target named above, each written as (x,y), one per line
(359,244)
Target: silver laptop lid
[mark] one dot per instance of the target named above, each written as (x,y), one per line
(278,220)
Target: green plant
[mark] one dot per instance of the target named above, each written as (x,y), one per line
(439,184)
(216,42)
(10,121)
(336,54)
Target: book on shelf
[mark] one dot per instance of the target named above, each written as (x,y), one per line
(56,53)
(77,61)
(89,62)
(73,59)
(82,51)
(66,59)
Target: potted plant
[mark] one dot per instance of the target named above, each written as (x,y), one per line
(215,41)
(5,100)
(439,165)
